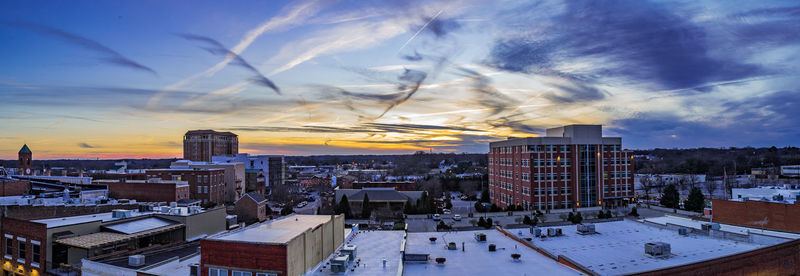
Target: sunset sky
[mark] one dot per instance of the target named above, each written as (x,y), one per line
(126,79)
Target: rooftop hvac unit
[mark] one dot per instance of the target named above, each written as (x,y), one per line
(350,251)
(777,197)
(683,231)
(657,249)
(535,231)
(481,237)
(492,247)
(173,204)
(120,214)
(194,269)
(586,229)
(165,209)
(710,226)
(339,264)
(136,260)
(452,246)
(194,209)
(554,232)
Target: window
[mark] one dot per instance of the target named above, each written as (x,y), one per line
(21,251)
(199,189)
(36,253)
(217,272)
(266,274)
(242,273)
(9,245)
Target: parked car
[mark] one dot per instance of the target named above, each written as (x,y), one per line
(446,211)
(302,204)
(457,217)
(437,217)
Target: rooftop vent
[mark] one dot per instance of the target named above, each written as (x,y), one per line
(339,264)
(554,232)
(535,231)
(136,260)
(710,226)
(492,247)
(516,257)
(586,229)
(120,214)
(451,246)
(657,249)
(349,250)
(683,231)
(440,261)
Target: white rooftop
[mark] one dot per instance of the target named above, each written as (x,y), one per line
(275,231)
(619,247)
(372,247)
(476,259)
(175,267)
(64,221)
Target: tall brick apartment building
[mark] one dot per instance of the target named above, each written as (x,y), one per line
(572,166)
(201,145)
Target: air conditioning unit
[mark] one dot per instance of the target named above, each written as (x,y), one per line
(683,231)
(120,214)
(136,260)
(194,269)
(710,226)
(339,264)
(586,229)
(554,232)
(536,231)
(481,237)
(350,251)
(657,249)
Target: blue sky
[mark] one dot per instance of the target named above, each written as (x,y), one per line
(127,79)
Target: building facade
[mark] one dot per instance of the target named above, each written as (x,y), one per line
(206,184)
(234,178)
(151,190)
(202,145)
(272,166)
(572,166)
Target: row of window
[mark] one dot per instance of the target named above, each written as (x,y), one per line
(616,161)
(614,188)
(224,272)
(617,174)
(205,189)
(22,250)
(532,148)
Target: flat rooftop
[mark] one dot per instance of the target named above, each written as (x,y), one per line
(696,224)
(476,259)
(372,247)
(64,221)
(275,231)
(619,247)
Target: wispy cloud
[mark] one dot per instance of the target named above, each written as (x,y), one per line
(86,146)
(110,56)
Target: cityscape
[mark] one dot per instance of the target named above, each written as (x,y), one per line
(283,138)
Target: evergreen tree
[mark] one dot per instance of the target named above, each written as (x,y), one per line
(535,221)
(578,218)
(410,208)
(287,210)
(633,212)
(526,220)
(344,207)
(696,201)
(571,217)
(482,222)
(608,214)
(489,223)
(366,208)
(485,196)
(670,197)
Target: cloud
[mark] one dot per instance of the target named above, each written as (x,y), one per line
(640,42)
(86,146)
(109,55)
(218,49)
(361,128)
(575,92)
(412,80)
(440,27)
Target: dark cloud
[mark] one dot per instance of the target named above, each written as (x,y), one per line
(415,57)
(371,128)
(86,146)
(216,48)
(439,26)
(575,92)
(486,94)
(411,81)
(638,41)
(763,120)
(111,56)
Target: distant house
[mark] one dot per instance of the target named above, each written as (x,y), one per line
(251,207)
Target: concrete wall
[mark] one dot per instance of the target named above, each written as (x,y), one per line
(210,222)
(30,212)
(90,268)
(14,187)
(238,255)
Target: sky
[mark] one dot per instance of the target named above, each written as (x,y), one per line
(126,79)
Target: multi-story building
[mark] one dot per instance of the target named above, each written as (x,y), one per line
(206,184)
(572,166)
(272,167)
(24,165)
(234,176)
(201,145)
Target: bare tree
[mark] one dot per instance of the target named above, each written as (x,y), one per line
(693,180)
(711,186)
(647,185)
(682,183)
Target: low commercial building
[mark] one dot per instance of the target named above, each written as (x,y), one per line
(14,187)
(292,245)
(53,245)
(151,190)
(233,180)
(206,184)
(169,261)
(773,215)
(252,207)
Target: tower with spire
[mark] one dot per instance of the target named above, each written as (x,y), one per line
(24,165)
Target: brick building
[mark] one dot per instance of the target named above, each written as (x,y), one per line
(288,246)
(25,161)
(13,187)
(202,145)
(252,207)
(572,166)
(152,190)
(204,184)
(778,216)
